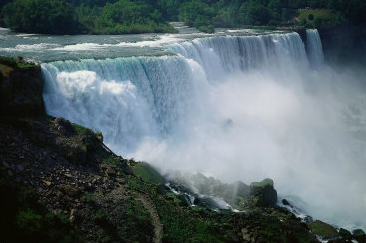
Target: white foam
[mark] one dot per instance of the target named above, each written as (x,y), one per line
(33,47)
(82,47)
(159,42)
(25,35)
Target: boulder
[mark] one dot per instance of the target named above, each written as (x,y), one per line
(345,233)
(285,202)
(70,191)
(358,232)
(323,230)
(359,235)
(264,192)
(63,126)
(21,92)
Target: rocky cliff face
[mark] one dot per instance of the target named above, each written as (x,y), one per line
(345,44)
(342,44)
(21,91)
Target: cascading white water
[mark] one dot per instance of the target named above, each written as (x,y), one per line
(314,46)
(239,108)
(219,56)
(126,98)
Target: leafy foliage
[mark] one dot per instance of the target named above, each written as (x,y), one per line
(122,17)
(132,16)
(40,16)
(15,62)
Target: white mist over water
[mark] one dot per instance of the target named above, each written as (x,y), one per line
(238,108)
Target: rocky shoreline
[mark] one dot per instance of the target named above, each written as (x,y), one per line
(60,183)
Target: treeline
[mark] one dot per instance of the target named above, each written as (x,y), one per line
(120,17)
(239,13)
(88,17)
(141,16)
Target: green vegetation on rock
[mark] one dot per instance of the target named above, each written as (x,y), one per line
(262,184)
(15,63)
(21,86)
(323,229)
(25,219)
(148,173)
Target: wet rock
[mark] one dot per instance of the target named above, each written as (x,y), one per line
(345,233)
(10,173)
(21,93)
(63,126)
(127,170)
(323,229)
(111,172)
(20,167)
(339,240)
(47,183)
(108,169)
(285,202)
(121,180)
(358,232)
(359,235)
(246,235)
(265,193)
(73,214)
(233,236)
(99,136)
(70,190)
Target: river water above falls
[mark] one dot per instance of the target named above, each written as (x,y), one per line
(237,105)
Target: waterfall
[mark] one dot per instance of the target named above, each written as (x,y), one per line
(131,98)
(220,55)
(125,98)
(314,47)
(236,107)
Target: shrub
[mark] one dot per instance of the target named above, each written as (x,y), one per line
(207,29)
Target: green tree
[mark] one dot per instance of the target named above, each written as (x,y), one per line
(169,9)
(255,14)
(40,16)
(196,14)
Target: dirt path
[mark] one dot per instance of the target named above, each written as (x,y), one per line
(150,206)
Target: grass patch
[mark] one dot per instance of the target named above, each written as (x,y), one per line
(318,18)
(316,13)
(16,62)
(148,173)
(323,229)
